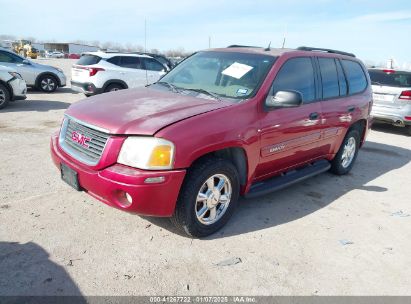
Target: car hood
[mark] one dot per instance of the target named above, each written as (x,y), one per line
(43,67)
(141,111)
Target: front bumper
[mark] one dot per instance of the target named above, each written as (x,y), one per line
(395,116)
(110,184)
(19,88)
(62,78)
(87,88)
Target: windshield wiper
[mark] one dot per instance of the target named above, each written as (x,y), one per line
(214,95)
(376,82)
(171,86)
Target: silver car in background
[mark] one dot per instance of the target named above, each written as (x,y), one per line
(12,86)
(43,77)
(392,97)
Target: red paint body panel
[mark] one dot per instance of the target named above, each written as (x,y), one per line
(140,111)
(273,141)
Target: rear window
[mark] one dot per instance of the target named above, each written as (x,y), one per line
(390,78)
(357,82)
(88,59)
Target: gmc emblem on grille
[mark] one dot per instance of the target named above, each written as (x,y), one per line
(80,138)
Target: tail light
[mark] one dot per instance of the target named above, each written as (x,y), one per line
(93,71)
(405,95)
(389,71)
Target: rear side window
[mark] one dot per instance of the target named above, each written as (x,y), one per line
(152,65)
(329,77)
(341,80)
(114,60)
(390,78)
(296,74)
(357,82)
(88,59)
(130,62)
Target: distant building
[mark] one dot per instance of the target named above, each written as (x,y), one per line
(68,48)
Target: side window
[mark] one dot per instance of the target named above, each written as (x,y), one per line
(296,74)
(329,77)
(357,82)
(114,60)
(9,58)
(153,65)
(130,62)
(341,80)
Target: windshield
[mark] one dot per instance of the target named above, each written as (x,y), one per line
(390,78)
(225,74)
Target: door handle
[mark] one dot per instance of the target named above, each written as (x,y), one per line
(313,116)
(351,109)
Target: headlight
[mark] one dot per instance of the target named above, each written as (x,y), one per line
(149,153)
(15,74)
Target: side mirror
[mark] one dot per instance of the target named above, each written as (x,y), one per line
(162,73)
(284,99)
(25,61)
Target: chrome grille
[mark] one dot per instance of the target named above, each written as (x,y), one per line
(91,152)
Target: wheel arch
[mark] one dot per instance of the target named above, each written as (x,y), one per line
(37,82)
(236,155)
(361,126)
(115,81)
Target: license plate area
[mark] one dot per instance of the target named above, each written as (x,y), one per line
(70,176)
(384,98)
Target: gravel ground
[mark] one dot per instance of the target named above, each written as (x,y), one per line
(329,235)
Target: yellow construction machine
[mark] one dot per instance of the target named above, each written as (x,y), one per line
(25,49)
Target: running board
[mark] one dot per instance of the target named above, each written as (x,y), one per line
(287,179)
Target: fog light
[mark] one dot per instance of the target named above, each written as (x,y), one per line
(154,180)
(129,198)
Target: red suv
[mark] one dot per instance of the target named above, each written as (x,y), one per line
(223,123)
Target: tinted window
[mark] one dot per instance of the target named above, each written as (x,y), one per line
(341,80)
(114,60)
(8,57)
(88,59)
(153,65)
(329,77)
(357,82)
(390,78)
(130,62)
(296,74)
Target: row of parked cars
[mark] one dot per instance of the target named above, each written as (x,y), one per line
(100,72)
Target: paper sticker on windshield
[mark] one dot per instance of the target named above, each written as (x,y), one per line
(237,70)
(241,92)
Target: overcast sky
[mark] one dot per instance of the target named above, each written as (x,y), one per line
(372,29)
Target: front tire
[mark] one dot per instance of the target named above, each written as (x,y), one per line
(48,83)
(4,96)
(345,158)
(207,198)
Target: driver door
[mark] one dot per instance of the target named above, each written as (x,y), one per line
(290,137)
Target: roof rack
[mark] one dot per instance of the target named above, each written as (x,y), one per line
(243,46)
(307,48)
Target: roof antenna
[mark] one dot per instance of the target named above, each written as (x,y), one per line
(268,47)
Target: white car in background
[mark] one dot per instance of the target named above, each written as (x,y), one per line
(55,54)
(40,76)
(99,72)
(392,97)
(12,86)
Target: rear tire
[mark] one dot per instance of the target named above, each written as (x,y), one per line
(345,158)
(4,96)
(207,198)
(113,87)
